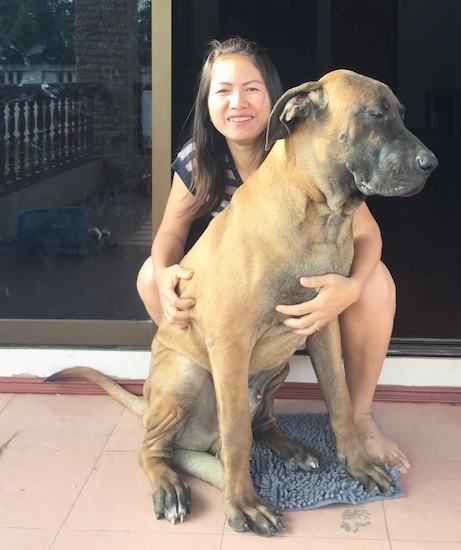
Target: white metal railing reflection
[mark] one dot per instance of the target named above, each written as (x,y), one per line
(43,127)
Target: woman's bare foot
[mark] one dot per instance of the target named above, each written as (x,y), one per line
(381,449)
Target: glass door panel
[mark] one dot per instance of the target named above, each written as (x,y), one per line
(75,159)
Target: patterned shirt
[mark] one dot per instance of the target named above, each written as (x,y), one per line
(182,165)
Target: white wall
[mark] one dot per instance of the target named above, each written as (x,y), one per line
(134,365)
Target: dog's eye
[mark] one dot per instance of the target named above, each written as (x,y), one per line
(375,114)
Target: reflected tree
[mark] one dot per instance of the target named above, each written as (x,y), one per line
(145,31)
(34,31)
(43,31)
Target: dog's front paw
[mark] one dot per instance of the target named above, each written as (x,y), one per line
(172,499)
(373,477)
(296,455)
(293,453)
(253,515)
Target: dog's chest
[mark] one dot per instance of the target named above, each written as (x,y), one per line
(312,259)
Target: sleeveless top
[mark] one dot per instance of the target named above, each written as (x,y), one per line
(182,165)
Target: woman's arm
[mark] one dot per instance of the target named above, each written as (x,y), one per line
(168,250)
(169,242)
(367,245)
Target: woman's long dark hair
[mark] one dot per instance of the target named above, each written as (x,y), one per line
(211,147)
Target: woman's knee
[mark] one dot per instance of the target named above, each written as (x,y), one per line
(145,279)
(147,290)
(379,291)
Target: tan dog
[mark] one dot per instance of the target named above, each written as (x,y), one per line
(336,141)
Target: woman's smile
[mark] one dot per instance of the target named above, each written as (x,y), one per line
(240,119)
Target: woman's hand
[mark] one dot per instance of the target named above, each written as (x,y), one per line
(175,308)
(335,294)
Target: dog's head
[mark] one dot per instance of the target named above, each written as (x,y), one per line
(360,122)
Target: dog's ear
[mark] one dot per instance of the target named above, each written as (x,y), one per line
(297,102)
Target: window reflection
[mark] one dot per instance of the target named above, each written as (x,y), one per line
(75,138)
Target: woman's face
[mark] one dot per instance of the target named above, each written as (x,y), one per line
(238,100)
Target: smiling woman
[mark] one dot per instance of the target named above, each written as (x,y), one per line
(207,169)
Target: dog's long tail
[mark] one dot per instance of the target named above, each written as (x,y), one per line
(137,405)
(196,463)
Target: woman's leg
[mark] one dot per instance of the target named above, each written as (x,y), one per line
(147,290)
(366,328)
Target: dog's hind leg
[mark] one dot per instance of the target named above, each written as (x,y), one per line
(181,415)
(171,495)
(263,386)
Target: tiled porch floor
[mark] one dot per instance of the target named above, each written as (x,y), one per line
(70,480)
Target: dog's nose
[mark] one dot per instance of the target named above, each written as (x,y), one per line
(427,161)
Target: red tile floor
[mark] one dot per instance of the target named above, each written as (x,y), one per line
(70,480)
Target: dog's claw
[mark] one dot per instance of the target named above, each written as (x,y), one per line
(261,519)
(375,490)
(371,476)
(293,453)
(172,499)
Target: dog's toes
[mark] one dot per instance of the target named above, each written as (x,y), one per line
(373,478)
(308,463)
(381,481)
(297,456)
(257,517)
(172,503)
